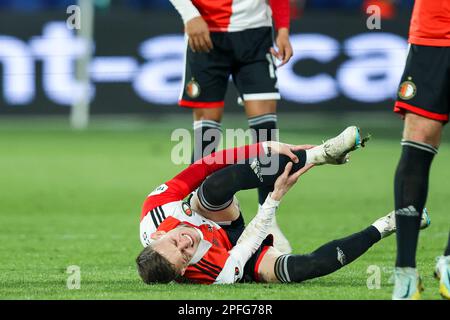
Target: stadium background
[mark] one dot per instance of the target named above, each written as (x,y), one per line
(72,197)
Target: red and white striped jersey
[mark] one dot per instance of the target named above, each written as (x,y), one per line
(236,15)
(430,23)
(164,210)
(212,264)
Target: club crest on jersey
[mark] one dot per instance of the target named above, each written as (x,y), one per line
(193,89)
(186,209)
(407,90)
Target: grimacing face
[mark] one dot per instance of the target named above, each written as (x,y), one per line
(178,245)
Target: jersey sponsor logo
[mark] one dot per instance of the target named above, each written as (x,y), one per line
(186,209)
(193,89)
(407,90)
(159,190)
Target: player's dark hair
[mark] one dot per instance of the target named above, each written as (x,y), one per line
(154,268)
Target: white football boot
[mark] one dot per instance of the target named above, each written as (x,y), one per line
(386,224)
(336,150)
(442,273)
(408,284)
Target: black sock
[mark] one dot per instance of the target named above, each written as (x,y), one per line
(411,189)
(217,191)
(206,138)
(264,128)
(327,259)
(447,250)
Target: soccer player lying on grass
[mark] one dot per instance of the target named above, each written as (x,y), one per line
(210,243)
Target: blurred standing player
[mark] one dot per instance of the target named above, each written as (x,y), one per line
(234,37)
(424,100)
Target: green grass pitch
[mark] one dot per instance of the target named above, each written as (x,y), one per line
(74,198)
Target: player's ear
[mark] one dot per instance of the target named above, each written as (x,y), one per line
(156,235)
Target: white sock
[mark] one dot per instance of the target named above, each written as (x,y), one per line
(381,225)
(315,155)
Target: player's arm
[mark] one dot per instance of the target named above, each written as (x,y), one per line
(186,9)
(190,178)
(195,26)
(281,16)
(258,228)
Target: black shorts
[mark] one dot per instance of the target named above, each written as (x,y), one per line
(234,231)
(245,55)
(425,85)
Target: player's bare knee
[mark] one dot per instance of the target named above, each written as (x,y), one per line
(422,130)
(214,114)
(257,108)
(230,213)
